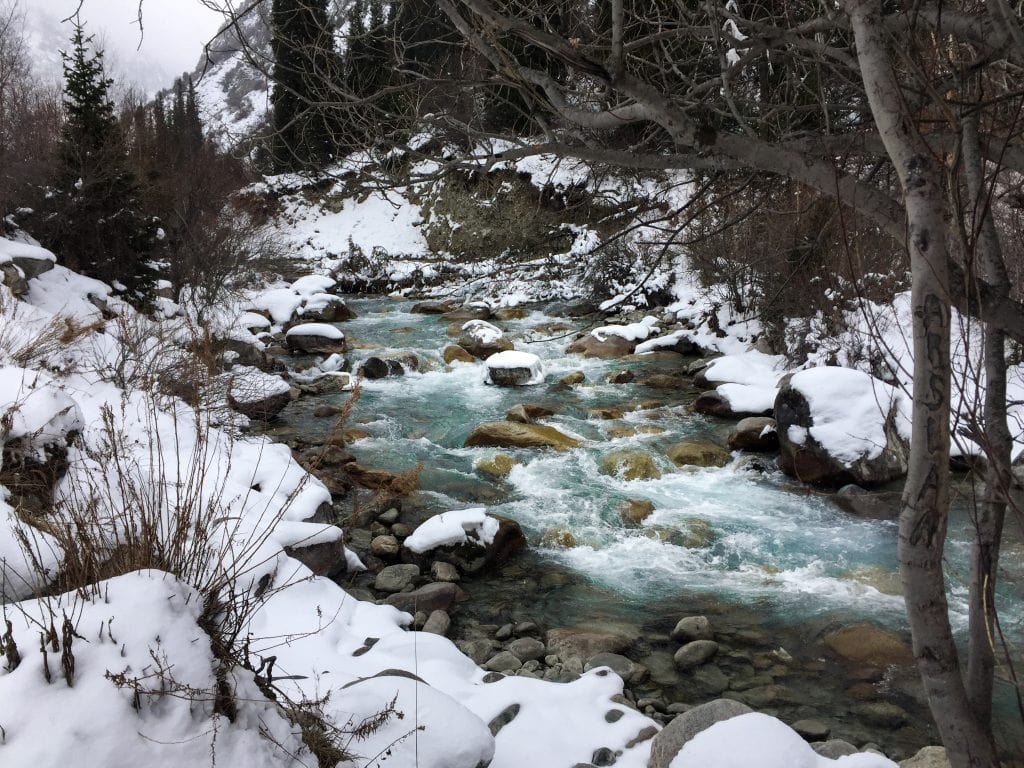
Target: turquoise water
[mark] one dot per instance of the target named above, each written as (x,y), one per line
(772,542)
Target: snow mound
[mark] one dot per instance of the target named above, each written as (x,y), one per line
(483,332)
(447,529)
(316,329)
(849,410)
(631,332)
(758,740)
(37,410)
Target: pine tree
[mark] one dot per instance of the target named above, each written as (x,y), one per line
(306,68)
(93,220)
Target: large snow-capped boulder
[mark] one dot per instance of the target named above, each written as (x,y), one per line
(315,337)
(839,425)
(514,369)
(30,260)
(481,339)
(256,394)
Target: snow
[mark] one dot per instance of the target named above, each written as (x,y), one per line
(667,341)
(251,385)
(755,739)
(450,528)
(313,284)
(482,331)
(849,410)
(749,367)
(514,359)
(33,407)
(748,398)
(631,332)
(316,329)
(280,303)
(13,249)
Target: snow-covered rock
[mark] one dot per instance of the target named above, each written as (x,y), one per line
(514,369)
(841,425)
(481,339)
(256,394)
(315,337)
(473,526)
(38,413)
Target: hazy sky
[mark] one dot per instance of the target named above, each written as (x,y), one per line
(174,34)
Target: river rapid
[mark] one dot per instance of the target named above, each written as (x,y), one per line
(773,564)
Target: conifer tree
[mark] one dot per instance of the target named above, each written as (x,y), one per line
(93,218)
(306,66)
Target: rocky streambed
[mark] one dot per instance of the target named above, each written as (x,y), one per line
(632,536)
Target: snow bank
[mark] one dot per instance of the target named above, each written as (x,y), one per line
(464,526)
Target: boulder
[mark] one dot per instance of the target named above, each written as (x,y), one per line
(928,757)
(511,313)
(870,504)
(453,353)
(507,434)
(256,394)
(711,403)
(682,728)
(481,339)
(838,425)
(699,454)
(316,338)
(630,465)
(468,312)
(558,538)
(621,377)
(526,413)
(581,644)
(382,367)
(611,346)
(870,646)
(434,307)
(472,556)
(695,653)
(14,279)
(664,381)
(527,648)
(437,623)
(691,628)
(326,308)
(572,379)
(754,433)
(395,578)
(833,749)
(500,466)
(629,670)
(514,369)
(635,511)
(438,596)
(324,559)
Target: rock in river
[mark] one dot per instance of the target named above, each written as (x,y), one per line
(509,434)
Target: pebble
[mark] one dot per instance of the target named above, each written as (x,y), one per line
(812,730)
(525,628)
(504,632)
(389,516)
(401,530)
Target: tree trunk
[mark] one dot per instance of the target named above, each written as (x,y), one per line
(923,519)
(996,440)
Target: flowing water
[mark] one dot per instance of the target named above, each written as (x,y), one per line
(754,548)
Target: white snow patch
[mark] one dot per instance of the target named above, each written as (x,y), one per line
(472,526)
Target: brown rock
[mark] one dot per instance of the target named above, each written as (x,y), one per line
(438,596)
(500,466)
(454,353)
(558,538)
(582,644)
(698,453)
(754,433)
(604,414)
(511,313)
(613,346)
(868,645)
(630,465)
(572,379)
(635,511)
(507,434)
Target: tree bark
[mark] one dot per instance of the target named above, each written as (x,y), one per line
(924,516)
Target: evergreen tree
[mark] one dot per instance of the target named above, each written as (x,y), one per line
(306,66)
(93,219)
